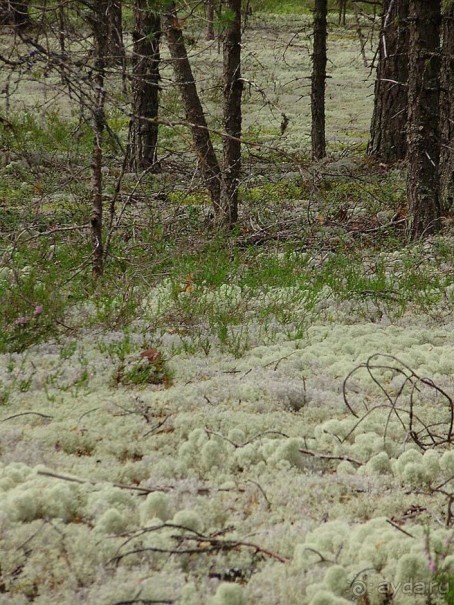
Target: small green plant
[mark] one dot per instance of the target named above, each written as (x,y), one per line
(284,7)
(68,349)
(119,349)
(4,395)
(151,369)
(445,583)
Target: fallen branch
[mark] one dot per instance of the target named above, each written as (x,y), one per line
(396,526)
(203,546)
(329,457)
(418,425)
(45,416)
(143,490)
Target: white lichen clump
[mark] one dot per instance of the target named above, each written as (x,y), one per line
(155,505)
(229,594)
(95,488)
(188,519)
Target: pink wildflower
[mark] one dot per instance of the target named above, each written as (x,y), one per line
(432,566)
(21,321)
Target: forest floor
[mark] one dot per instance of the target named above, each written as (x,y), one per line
(263,418)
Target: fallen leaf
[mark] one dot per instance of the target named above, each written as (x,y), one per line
(153,355)
(189,284)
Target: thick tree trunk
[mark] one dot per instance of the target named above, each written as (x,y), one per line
(116,48)
(100,36)
(388,132)
(423,117)
(195,116)
(210,19)
(143,133)
(319,80)
(447,114)
(233,89)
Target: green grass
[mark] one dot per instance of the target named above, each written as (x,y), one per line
(295,7)
(142,373)
(285,7)
(215,284)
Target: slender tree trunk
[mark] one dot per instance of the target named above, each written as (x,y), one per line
(116,48)
(18,13)
(342,11)
(447,114)
(233,90)
(61,26)
(423,117)
(100,36)
(388,131)
(145,88)
(195,116)
(319,80)
(210,19)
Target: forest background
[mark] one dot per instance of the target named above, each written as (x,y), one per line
(227,285)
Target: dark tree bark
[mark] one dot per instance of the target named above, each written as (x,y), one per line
(319,80)
(342,11)
(116,48)
(61,26)
(447,114)
(143,133)
(100,29)
(233,90)
(222,185)
(195,116)
(21,16)
(210,19)
(16,13)
(388,132)
(423,117)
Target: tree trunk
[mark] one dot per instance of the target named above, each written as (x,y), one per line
(319,80)
(388,131)
(61,26)
(447,114)
(116,49)
(233,89)
(342,12)
(100,30)
(16,13)
(195,116)
(210,19)
(423,117)
(143,133)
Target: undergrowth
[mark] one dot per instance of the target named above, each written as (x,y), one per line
(311,241)
(298,244)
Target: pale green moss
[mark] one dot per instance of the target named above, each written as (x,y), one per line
(324,597)
(447,463)
(61,501)
(289,452)
(336,580)
(413,568)
(189,519)
(229,594)
(378,464)
(260,484)
(23,504)
(156,504)
(212,454)
(415,474)
(112,522)
(346,468)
